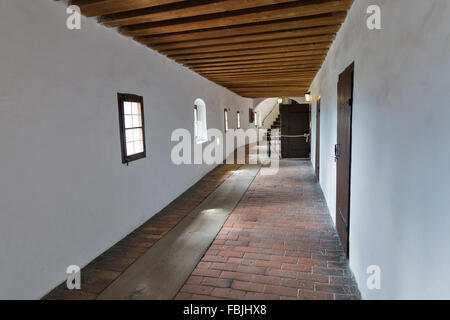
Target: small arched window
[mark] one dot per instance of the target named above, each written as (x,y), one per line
(238,120)
(200,126)
(225,119)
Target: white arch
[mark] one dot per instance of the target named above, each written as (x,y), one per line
(202,133)
(265,110)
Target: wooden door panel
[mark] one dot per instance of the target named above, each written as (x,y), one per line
(343,155)
(318,139)
(294,121)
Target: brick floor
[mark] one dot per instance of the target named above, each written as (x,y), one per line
(279,243)
(106,268)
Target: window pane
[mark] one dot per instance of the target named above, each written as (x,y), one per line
(130,149)
(137,121)
(128,121)
(135,108)
(137,134)
(138,147)
(127,107)
(129,135)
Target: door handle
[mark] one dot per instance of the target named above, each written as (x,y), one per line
(336,152)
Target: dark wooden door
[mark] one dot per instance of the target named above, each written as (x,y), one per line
(294,122)
(343,152)
(318,138)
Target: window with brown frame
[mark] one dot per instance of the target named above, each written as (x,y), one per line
(132,129)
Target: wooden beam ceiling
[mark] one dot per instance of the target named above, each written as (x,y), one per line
(256,48)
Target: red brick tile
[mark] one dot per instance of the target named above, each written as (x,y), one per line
(236,276)
(230,253)
(271,264)
(313,277)
(203,297)
(282,291)
(248,286)
(251,269)
(328,271)
(260,296)
(282,273)
(296,267)
(301,284)
(216,282)
(224,266)
(206,272)
(267,279)
(331,288)
(197,289)
(228,293)
(210,258)
(314,295)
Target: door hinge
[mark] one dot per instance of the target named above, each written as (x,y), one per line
(343,219)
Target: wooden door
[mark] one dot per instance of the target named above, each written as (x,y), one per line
(343,152)
(294,122)
(318,138)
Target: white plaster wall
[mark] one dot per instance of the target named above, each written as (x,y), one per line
(65,196)
(400,204)
(267,112)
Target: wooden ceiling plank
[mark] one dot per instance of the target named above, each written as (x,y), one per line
(312,53)
(265,74)
(275,66)
(299,9)
(243,80)
(92,8)
(268,26)
(299,60)
(262,85)
(260,44)
(183,9)
(261,71)
(268,76)
(254,51)
(297,33)
(258,65)
(274,95)
(265,78)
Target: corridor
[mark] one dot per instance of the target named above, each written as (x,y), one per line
(119,126)
(279,243)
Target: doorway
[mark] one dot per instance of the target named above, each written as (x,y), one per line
(343,152)
(318,139)
(295,142)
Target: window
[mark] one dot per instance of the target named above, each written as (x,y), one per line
(132,129)
(238,120)
(195,122)
(225,117)
(200,127)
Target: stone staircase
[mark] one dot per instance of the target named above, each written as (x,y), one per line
(276,124)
